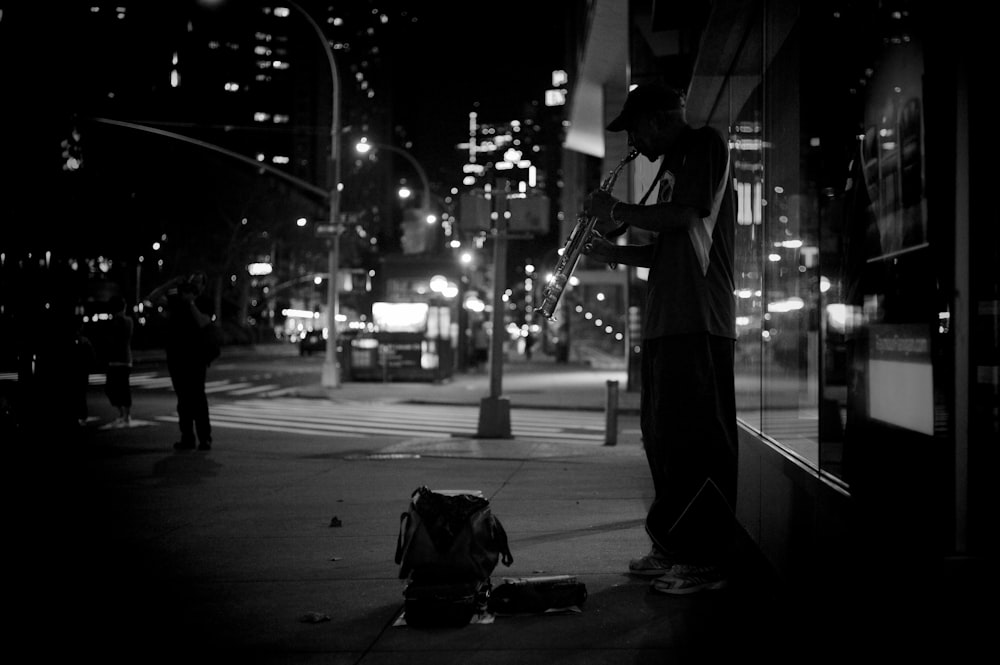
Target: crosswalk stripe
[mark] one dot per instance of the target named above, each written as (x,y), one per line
(298,426)
(283,391)
(307,416)
(381,424)
(254,389)
(363,418)
(223,386)
(366,412)
(264,427)
(153,381)
(153,384)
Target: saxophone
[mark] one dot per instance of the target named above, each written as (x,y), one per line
(580,236)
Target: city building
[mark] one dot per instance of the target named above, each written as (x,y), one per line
(214,99)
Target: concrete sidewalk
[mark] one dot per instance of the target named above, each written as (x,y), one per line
(143,554)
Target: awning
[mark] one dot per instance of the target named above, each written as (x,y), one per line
(605,61)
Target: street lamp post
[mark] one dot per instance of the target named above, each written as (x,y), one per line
(331,374)
(364,145)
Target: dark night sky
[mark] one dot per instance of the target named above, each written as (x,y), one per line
(462,56)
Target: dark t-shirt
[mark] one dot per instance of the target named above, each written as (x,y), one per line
(120,341)
(691,287)
(183,339)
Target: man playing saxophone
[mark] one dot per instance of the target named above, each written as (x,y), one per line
(688,411)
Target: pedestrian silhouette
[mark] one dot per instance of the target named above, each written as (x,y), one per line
(117,385)
(189,353)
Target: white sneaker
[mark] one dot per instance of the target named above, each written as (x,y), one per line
(654,564)
(684,579)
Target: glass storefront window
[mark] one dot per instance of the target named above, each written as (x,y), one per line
(838,287)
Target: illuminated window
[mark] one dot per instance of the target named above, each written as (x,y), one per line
(555,97)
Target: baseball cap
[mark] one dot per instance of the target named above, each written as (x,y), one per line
(646,98)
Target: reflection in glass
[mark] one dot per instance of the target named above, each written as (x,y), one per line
(747,156)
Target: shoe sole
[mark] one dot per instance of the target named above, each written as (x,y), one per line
(683,591)
(659,572)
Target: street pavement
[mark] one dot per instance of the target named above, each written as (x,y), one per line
(273,548)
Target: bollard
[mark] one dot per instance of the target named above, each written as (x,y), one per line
(611,415)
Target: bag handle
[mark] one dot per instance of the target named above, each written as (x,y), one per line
(500,535)
(404,521)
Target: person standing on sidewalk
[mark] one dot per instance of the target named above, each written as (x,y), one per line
(117,384)
(480,347)
(186,357)
(688,403)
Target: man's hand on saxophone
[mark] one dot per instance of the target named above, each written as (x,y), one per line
(599,204)
(600,249)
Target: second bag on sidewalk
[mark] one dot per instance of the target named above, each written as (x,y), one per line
(449,543)
(450,536)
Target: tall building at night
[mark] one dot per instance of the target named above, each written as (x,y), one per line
(249,78)
(164,94)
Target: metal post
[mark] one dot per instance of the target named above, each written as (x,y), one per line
(494,411)
(331,374)
(499,282)
(611,415)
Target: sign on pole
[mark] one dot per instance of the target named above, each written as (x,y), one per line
(474,211)
(529,213)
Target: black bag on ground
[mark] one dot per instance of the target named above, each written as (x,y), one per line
(450,537)
(444,605)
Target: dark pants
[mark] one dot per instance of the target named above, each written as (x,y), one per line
(117,386)
(688,420)
(188,378)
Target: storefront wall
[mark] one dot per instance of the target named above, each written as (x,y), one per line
(845,270)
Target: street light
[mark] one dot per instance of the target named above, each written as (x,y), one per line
(331,374)
(364,146)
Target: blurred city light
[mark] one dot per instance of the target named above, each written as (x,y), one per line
(438,283)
